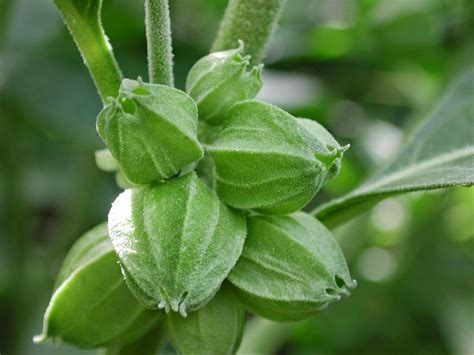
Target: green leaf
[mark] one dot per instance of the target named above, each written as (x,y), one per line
(176,242)
(92,305)
(221,79)
(216,328)
(268,160)
(151,131)
(438,154)
(290,269)
(83,20)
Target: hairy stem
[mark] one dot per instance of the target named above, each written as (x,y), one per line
(83,21)
(264,337)
(252,21)
(158,38)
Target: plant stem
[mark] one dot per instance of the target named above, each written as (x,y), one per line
(83,21)
(264,337)
(158,37)
(252,21)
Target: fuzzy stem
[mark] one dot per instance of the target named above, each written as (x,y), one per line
(252,21)
(83,21)
(158,37)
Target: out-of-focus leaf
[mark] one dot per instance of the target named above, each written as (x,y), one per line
(331,42)
(440,153)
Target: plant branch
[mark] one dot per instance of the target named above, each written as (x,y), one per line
(83,21)
(252,21)
(158,37)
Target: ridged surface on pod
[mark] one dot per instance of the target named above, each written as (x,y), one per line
(219,80)
(92,305)
(176,242)
(290,269)
(326,149)
(267,160)
(215,329)
(151,131)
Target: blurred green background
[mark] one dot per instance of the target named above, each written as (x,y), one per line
(366,69)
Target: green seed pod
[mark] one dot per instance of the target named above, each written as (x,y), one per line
(215,329)
(92,305)
(290,269)
(151,131)
(219,80)
(270,161)
(176,242)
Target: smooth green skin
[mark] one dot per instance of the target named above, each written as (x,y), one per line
(83,20)
(215,329)
(219,80)
(290,269)
(267,161)
(151,131)
(176,242)
(253,22)
(92,305)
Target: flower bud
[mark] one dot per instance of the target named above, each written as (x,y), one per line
(291,268)
(268,160)
(176,242)
(92,305)
(215,328)
(151,131)
(219,80)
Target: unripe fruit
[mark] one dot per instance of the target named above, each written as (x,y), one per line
(92,305)
(151,131)
(269,161)
(290,269)
(219,80)
(176,242)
